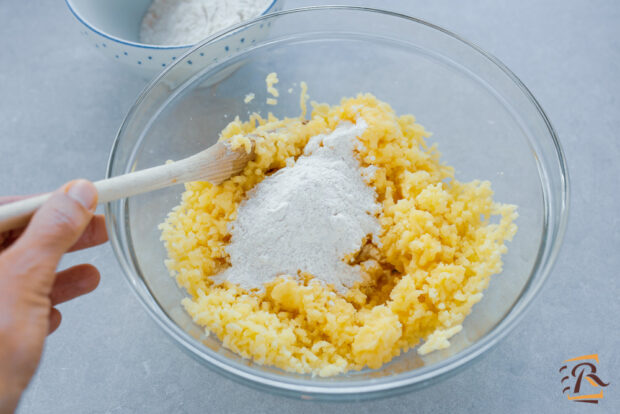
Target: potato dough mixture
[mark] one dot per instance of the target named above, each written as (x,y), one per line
(436,250)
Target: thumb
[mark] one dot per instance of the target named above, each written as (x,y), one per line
(59,223)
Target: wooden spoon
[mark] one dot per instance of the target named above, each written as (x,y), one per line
(215,164)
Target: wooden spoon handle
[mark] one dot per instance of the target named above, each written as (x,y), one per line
(138,182)
(17,214)
(214,164)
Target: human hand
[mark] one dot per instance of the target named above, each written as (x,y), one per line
(30,288)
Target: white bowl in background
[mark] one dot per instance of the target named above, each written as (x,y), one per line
(113,27)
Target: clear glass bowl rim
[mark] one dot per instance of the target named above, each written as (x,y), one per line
(357,390)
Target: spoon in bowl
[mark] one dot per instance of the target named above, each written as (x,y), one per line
(215,164)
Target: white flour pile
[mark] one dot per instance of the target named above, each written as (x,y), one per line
(306,217)
(185,22)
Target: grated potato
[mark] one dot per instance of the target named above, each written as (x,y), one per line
(437,250)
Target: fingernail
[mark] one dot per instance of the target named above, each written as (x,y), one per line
(84,193)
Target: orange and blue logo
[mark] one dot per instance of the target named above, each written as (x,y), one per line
(581,381)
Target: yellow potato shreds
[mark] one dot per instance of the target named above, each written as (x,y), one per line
(438,247)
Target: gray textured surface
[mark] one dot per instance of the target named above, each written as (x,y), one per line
(61,103)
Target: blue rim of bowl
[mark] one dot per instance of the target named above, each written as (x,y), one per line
(548,252)
(142,45)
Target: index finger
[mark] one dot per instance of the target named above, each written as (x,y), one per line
(94,234)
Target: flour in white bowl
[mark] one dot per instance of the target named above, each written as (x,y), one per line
(186,22)
(306,217)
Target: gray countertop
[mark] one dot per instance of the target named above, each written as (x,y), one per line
(61,103)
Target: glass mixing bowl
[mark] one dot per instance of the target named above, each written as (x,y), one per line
(484,120)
